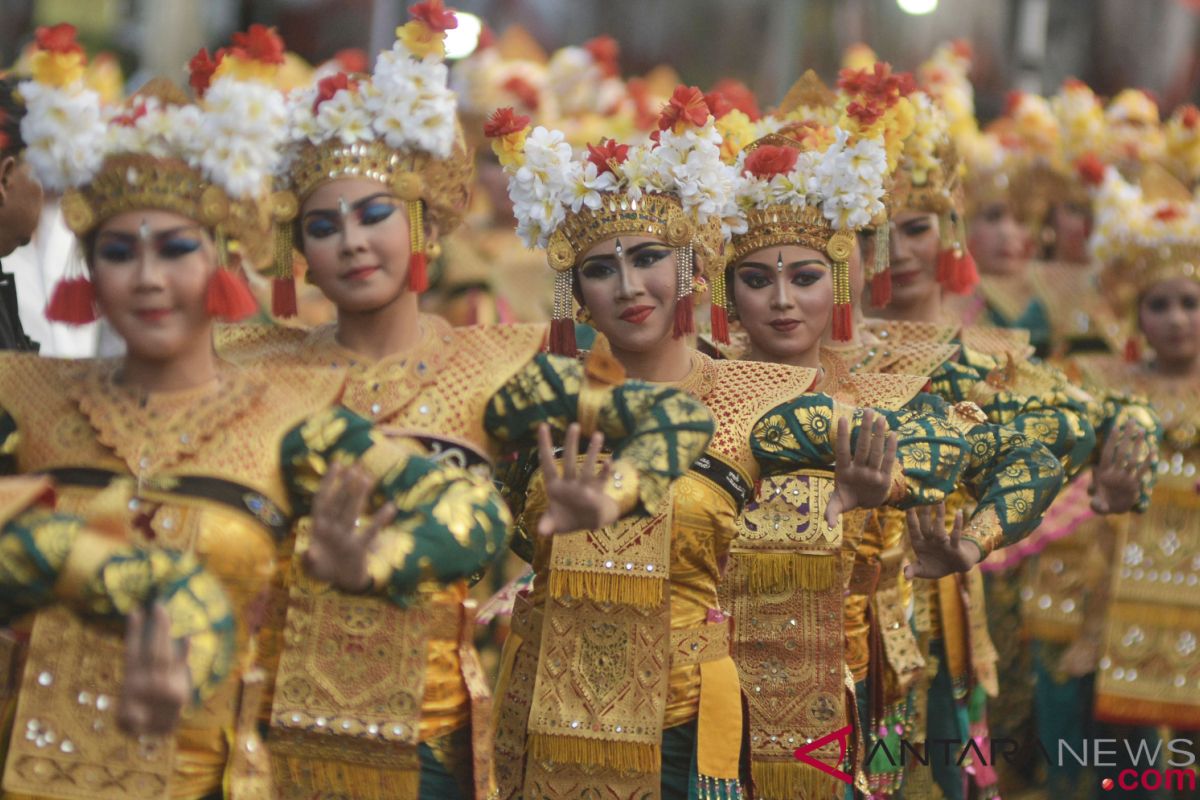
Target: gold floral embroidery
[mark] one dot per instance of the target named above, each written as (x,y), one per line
(776,435)
(323,430)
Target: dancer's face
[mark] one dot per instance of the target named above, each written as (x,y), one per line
(997,240)
(151,271)
(1169,317)
(628,285)
(914,242)
(355,236)
(784,299)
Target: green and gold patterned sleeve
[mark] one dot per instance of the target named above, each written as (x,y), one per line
(1037,402)
(449,524)
(1117,409)
(9,438)
(1012,477)
(802,434)
(48,558)
(655,433)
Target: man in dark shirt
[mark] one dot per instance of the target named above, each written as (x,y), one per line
(20,208)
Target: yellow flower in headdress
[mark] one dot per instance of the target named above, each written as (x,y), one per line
(59,59)
(736,131)
(425,34)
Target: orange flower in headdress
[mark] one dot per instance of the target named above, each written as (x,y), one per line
(59,58)
(259,43)
(507,130)
(201,69)
(607,155)
(738,95)
(770,160)
(1090,169)
(686,107)
(434,15)
(425,34)
(330,86)
(605,51)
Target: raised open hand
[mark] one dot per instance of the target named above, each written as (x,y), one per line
(862,478)
(158,683)
(337,552)
(938,554)
(1118,477)
(576,497)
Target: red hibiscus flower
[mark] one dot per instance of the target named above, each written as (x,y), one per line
(259,43)
(130,117)
(1090,169)
(328,87)
(686,107)
(962,48)
(604,50)
(867,114)
(770,160)
(58,38)
(738,95)
(1012,101)
(718,104)
(504,121)
(607,155)
(1074,83)
(351,60)
(1168,213)
(876,87)
(1189,115)
(201,69)
(435,16)
(644,114)
(524,91)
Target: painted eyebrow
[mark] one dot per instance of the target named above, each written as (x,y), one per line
(806,262)
(158,236)
(356,205)
(630,251)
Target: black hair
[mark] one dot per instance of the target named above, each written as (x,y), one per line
(11,112)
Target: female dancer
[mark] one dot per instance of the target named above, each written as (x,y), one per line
(379,171)
(618,675)
(186,451)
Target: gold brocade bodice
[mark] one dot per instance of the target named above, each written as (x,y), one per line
(74,420)
(1151,658)
(439,388)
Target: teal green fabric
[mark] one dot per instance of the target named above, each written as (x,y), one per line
(453,781)
(1035,319)
(679,773)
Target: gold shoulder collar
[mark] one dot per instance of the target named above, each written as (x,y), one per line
(254,344)
(897,332)
(997,341)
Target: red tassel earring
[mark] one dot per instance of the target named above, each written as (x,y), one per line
(881,280)
(228,297)
(1133,350)
(718,310)
(418,264)
(685,319)
(843,310)
(283,285)
(562,322)
(73,301)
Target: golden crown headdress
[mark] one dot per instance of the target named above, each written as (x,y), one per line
(676,187)
(210,160)
(397,126)
(1144,234)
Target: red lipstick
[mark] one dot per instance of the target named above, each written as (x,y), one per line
(637,314)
